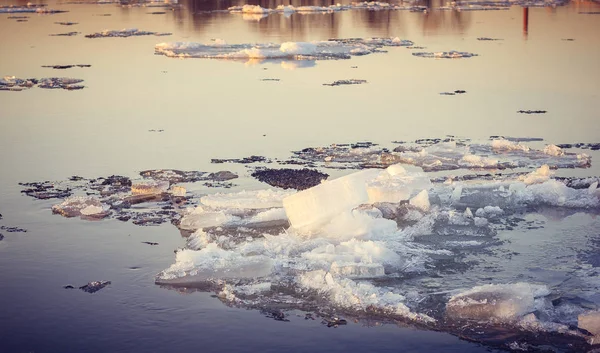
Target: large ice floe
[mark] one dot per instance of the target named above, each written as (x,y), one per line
(393,244)
(124,33)
(428,233)
(438,155)
(318,50)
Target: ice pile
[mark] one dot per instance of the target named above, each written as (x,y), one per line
(319,50)
(124,33)
(499,154)
(445,54)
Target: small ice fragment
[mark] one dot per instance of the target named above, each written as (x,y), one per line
(200,218)
(177,190)
(150,187)
(540,175)
(468,213)
(456,193)
(489,211)
(421,200)
(553,150)
(73,206)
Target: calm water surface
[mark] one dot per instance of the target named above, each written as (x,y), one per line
(222,109)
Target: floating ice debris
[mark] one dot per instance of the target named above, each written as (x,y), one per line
(488,39)
(129,32)
(500,154)
(445,54)
(453,93)
(60,82)
(67,34)
(286,178)
(334,322)
(29,8)
(150,187)
(277,316)
(320,50)
(245,160)
(591,146)
(63,67)
(94,286)
(346,82)
(45,190)
(77,206)
(359,153)
(504,303)
(13,229)
(532,111)
(11,83)
(66,23)
(180,176)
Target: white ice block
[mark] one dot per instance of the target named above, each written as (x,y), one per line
(395,185)
(311,208)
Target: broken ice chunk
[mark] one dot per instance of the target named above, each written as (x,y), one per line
(81,206)
(496,302)
(395,185)
(311,208)
(201,218)
(540,175)
(177,191)
(489,211)
(150,187)
(421,201)
(247,199)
